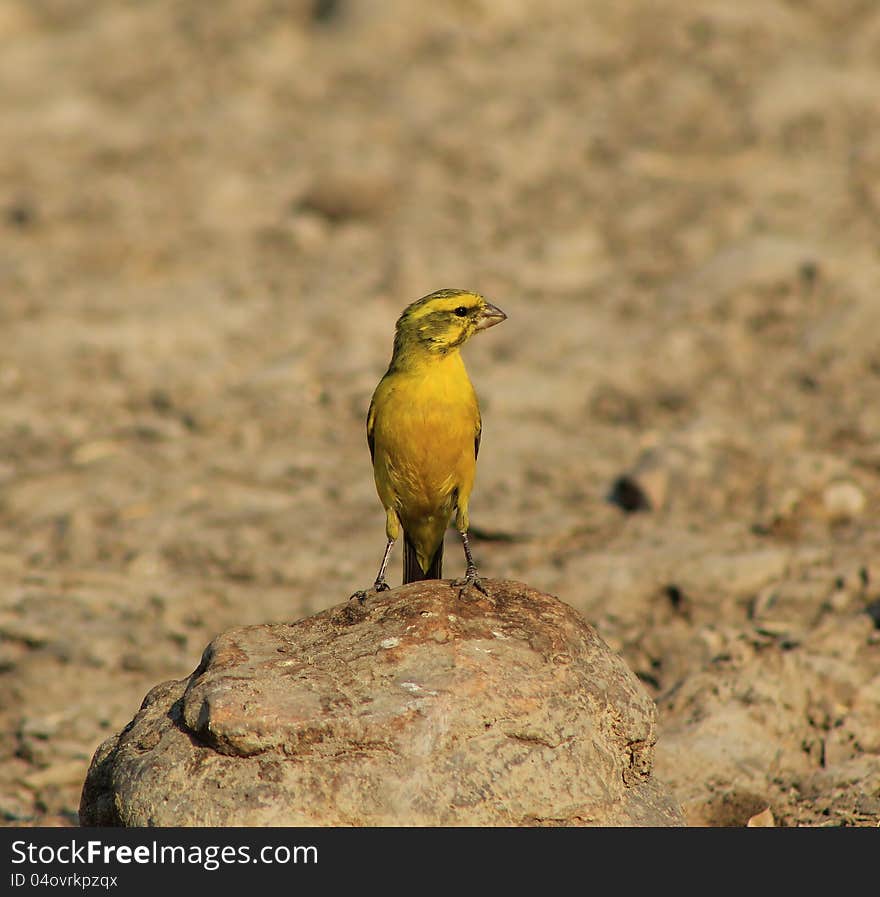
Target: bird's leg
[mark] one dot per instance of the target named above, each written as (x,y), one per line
(379,585)
(471,578)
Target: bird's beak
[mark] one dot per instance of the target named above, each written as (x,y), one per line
(490,316)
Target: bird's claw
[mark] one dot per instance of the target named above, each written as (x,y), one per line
(363,594)
(471,581)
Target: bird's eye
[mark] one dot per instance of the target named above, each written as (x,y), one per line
(461,311)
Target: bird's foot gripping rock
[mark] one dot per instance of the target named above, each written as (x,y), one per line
(363,594)
(471,581)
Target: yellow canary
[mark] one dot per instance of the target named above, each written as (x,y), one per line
(423,429)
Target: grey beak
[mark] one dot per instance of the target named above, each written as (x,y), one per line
(490,316)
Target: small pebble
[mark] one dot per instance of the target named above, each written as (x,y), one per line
(843,500)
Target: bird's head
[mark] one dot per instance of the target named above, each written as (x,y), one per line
(445,319)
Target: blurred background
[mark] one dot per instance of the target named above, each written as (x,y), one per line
(211,215)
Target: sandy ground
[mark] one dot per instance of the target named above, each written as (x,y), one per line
(210,217)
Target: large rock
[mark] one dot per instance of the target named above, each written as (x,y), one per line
(420,707)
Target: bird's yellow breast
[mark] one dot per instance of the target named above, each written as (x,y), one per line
(425,423)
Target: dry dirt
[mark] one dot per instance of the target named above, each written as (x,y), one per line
(210,217)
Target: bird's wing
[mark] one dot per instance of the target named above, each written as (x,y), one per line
(371,423)
(477,436)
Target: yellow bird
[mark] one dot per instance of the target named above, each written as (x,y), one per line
(423,429)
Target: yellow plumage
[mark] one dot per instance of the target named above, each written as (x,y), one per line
(423,428)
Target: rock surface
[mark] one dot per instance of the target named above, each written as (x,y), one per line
(421,707)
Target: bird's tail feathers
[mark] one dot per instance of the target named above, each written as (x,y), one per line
(412,570)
